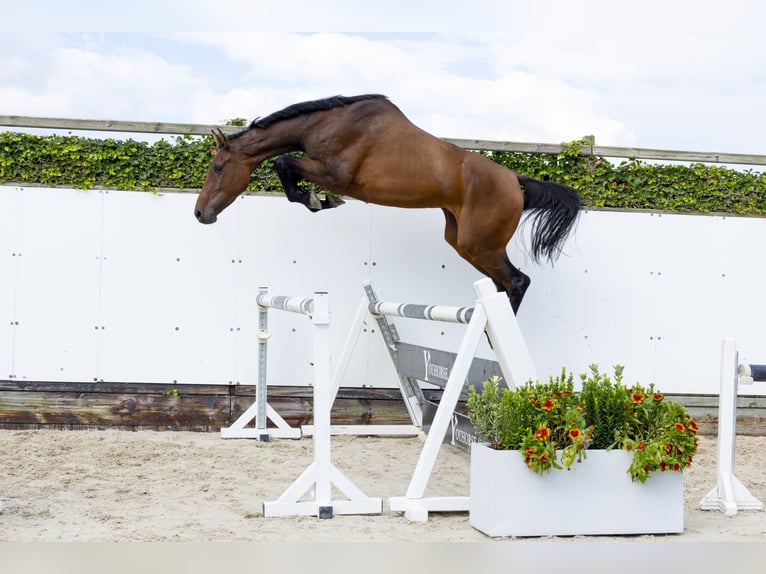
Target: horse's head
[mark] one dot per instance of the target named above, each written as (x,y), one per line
(228,176)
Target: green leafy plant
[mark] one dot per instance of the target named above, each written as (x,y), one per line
(660,433)
(553,426)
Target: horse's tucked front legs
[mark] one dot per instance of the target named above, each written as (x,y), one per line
(290,175)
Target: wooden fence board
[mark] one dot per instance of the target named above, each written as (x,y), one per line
(473,144)
(211,407)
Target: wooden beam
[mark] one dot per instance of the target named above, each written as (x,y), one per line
(209,408)
(179,407)
(165,128)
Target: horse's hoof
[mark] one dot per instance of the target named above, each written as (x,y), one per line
(331,201)
(314,204)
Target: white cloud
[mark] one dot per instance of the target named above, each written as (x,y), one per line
(432,81)
(674,75)
(86,80)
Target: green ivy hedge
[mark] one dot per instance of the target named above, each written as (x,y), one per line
(85,163)
(633,184)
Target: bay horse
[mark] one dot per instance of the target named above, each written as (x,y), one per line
(365,148)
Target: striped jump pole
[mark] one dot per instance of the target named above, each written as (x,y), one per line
(425,312)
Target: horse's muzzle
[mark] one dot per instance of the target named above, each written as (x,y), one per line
(206,218)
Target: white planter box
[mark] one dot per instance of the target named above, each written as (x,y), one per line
(596,496)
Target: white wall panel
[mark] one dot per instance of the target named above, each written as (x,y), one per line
(57,289)
(125,286)
(10,197)
(292,251)
(169,289)
(596,304)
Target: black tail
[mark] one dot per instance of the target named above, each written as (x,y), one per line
(556,209)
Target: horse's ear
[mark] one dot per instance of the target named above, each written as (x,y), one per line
(220,138)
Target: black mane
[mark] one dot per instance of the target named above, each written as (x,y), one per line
(302,108)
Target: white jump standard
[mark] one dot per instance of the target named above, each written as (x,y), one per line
(729,495)
(492,313)
(321,475)
(261,410)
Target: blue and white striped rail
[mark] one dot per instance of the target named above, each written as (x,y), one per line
(426,312)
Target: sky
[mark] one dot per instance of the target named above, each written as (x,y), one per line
(685,75)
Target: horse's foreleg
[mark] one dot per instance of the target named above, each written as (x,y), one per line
(290,177)
(292,170)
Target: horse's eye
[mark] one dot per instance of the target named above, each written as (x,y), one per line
(218,168)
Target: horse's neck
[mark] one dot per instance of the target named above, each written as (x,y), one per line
(265,143)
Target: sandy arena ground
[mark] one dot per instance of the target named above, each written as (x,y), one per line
(180,486)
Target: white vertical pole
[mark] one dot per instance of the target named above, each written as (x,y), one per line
(727,408)
(260,389)
(321,319)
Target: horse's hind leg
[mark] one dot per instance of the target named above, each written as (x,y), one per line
(494,264)
(506,277)
(519,285)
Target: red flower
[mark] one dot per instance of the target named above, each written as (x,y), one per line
(543,457)
(548,405)
(658,396)
(677,466)
(530,450)
(574,434)
(641,446)
(680,427)
(668,448)
(542,433)
(637,398)
(694,426)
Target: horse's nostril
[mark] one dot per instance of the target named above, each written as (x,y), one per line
(198,214)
